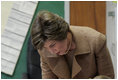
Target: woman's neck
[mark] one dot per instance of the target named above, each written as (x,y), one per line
(71,41)
(72,45)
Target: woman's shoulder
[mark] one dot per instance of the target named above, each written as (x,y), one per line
(91,35)
(85,31)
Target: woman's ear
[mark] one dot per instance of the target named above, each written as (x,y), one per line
(69,36)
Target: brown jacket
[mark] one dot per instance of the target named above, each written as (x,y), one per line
(91,57)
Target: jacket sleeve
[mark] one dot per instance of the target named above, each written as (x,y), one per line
(46,71)
(103,59)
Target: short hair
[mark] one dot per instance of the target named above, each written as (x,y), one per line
(48,26)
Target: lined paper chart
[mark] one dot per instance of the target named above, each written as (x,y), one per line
(14,34)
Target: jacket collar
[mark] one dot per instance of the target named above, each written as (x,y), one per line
(82,45)
(59,66)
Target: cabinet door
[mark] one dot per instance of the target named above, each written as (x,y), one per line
(89,13)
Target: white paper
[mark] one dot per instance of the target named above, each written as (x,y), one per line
(14,34)
(21,16)
(12,43)
(7,67)
(25,6)
(9,50)
(9,57)
(17,27)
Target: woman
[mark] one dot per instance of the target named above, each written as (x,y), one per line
(72,52)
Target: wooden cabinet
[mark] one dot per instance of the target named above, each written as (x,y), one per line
(89,13)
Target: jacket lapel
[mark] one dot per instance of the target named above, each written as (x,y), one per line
(82,47)
(59,66)
(75,68)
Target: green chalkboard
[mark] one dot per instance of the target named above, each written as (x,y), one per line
(52,6)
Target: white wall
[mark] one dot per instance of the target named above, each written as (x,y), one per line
(67,11)
(5,11)
(111,31)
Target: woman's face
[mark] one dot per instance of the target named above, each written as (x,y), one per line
(56,47)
